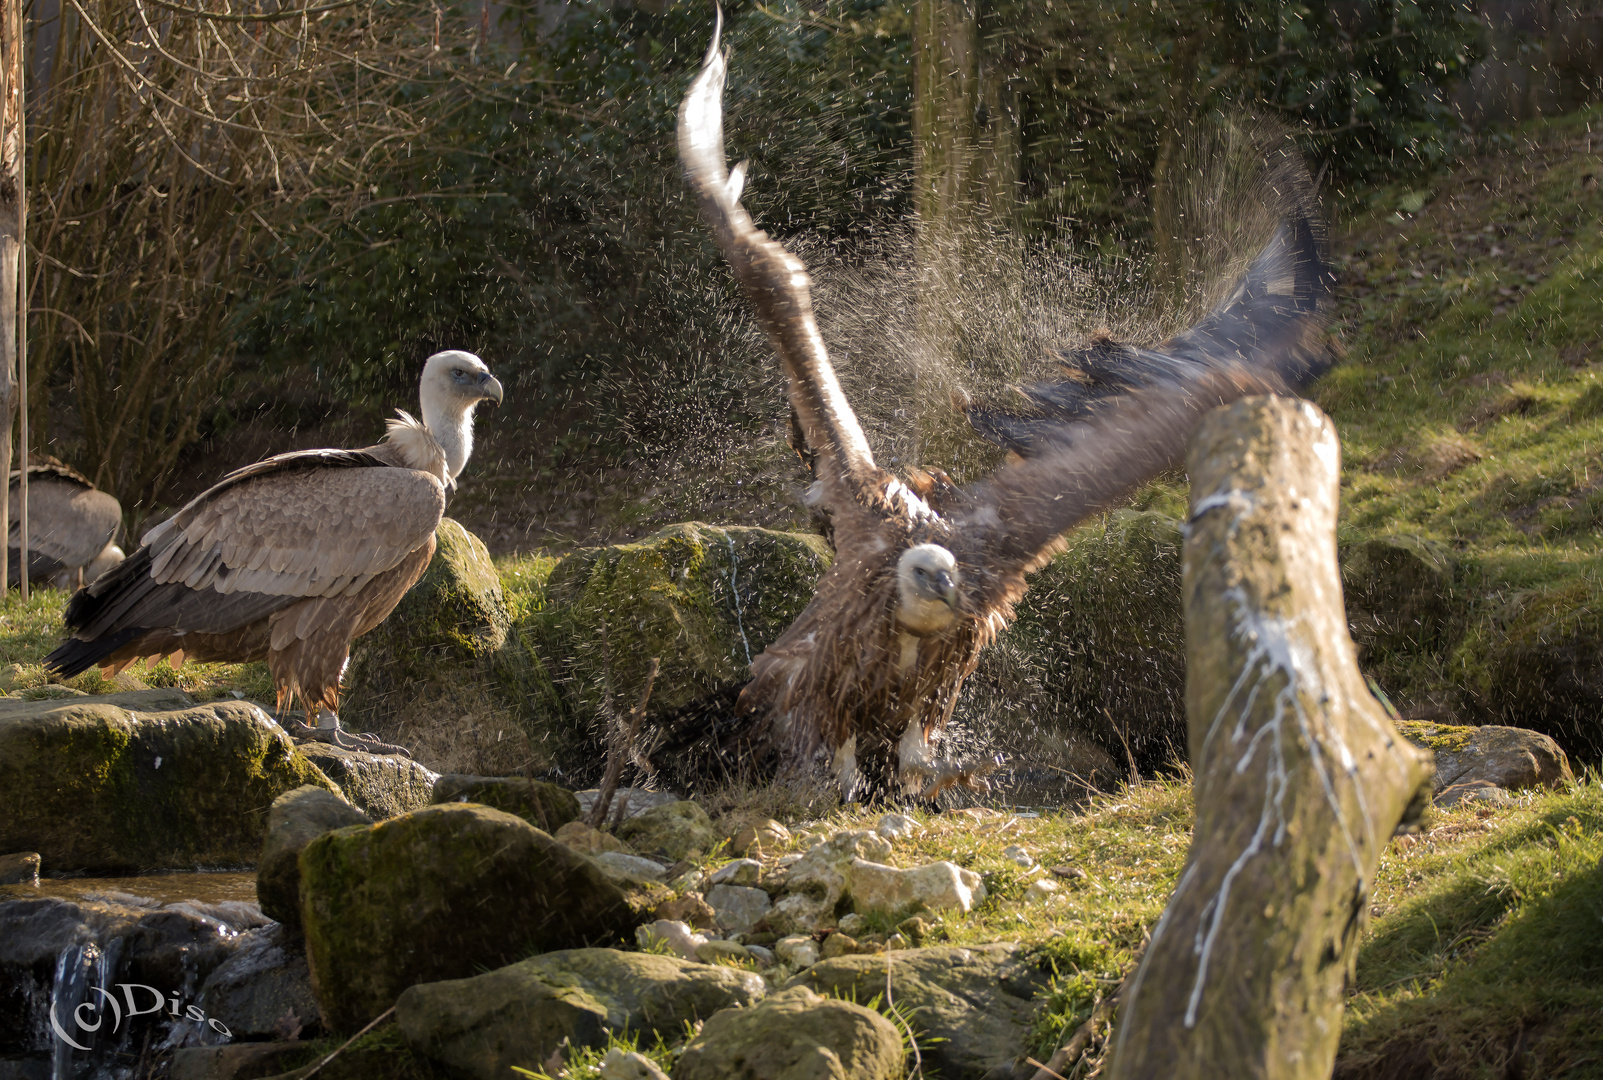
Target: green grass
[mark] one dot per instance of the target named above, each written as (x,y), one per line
(1487,941)
(1470,399)
(29,631)
(1487,924)
(584,1063)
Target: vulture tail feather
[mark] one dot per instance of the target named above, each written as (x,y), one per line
(73,656)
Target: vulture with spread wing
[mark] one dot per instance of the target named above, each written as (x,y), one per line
(926,573)
(291,558)
(72,526)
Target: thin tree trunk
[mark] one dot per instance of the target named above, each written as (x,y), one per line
(966,171)
(11,150)
(1300,777)
(1169,242)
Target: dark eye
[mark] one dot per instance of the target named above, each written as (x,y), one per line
(459,373)
(922,572)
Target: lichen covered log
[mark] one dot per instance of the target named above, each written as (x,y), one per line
(1301,779)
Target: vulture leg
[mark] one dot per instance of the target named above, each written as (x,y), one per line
(328,730)
(877,780)
(311,643)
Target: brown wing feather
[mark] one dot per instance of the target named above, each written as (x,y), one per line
(311,640)
(320,524)
(1098,437)
(777,285)
(298,533)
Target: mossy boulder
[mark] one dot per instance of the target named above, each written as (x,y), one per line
(545,806)
(1508,757)
(1400,595)
(973,1004)
(380,785)
(441,893)
(295,819)
(794,1035)
(520,1014)
(1097,649)
(1535,660)
(140,780)
(679,830)
(702,599)
(447,650)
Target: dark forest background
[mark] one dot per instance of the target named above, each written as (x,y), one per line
(504,180)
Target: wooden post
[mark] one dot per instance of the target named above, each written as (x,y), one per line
(1300,777)
(11,188)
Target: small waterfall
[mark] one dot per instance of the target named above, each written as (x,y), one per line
(76,967)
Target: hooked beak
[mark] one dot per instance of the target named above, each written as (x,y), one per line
(947,587)
(490,387)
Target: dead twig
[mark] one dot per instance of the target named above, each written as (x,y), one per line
(622,749)
(1068,1055)
(890,1003)
(371,1024)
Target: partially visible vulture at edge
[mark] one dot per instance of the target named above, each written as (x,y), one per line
(291,558)
(72,526)
(927,573)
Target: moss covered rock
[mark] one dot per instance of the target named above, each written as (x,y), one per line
(702,599)
(1507,757)
(1400,595)
(679,830)
(973,1004)
(794,1035)
(445,652)
(1535,660)
(520,1014)
(295,819)
(545,806)
(441,893)
(1097,649)
(141,780)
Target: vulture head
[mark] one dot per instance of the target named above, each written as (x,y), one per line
(926,587)
(454,382)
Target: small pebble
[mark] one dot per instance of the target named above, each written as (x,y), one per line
(839,944)
(797,950)
(1017,854)
(762,954)
(739,872)
(679,938)
(1041,891)
(896,941)
(852,923)
(896,826)
(621,1064)
(711,951)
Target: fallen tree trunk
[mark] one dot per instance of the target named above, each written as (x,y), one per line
(1301,778)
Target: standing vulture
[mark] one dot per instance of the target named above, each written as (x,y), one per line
(289,559)
(72,526)
(927,573)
